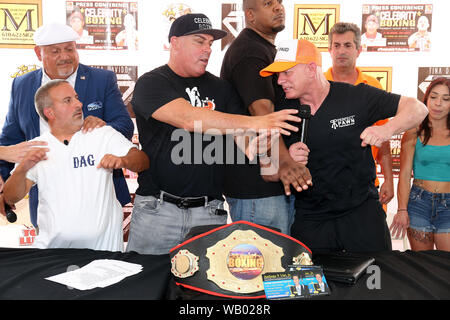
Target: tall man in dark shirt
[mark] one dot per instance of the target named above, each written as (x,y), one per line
(250,196)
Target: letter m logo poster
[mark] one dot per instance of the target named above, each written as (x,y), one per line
(313,22)
(19,20)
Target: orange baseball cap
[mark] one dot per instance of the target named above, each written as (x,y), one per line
(290,53)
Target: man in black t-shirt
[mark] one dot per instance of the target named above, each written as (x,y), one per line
(174,104)
(341,210)
(249,196)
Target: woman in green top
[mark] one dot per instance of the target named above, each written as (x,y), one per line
(424,208)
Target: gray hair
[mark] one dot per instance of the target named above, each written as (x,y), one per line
(343,27)
(42,98)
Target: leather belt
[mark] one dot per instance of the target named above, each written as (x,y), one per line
(184,203)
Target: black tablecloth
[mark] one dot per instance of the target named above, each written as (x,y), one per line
(23,273)
(403,275)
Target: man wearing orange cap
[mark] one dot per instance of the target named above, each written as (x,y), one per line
(340,211)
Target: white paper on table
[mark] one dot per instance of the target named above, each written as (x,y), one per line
(98,273)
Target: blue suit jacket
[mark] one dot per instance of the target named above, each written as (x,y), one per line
(98,91)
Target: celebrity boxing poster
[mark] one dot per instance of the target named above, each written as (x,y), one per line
(170,13)
(19,20)
(313,23)
(104,25)
(396,27)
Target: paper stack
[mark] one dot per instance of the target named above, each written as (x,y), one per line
(97,274)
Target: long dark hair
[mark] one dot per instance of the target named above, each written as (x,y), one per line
(425,125)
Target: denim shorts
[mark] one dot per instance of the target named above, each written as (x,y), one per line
(429,212)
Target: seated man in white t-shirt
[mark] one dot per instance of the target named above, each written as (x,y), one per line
(77,203)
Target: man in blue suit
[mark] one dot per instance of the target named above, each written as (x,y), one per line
(97,89)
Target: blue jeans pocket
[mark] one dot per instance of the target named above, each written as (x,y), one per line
(414,195)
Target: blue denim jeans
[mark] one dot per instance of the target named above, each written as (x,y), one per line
(157,226)
(429,212)
(277,212)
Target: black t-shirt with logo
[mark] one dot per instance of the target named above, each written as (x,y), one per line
(247,55)
(342,171)
(182,163)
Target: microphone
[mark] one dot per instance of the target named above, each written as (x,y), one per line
(304,112)
(10,215)
(66,142)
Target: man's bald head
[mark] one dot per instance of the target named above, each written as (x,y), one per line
(266,18)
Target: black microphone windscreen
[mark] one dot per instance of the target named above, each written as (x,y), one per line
(304,111)
(10,215)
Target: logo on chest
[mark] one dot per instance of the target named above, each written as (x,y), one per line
(196,101)
(342,122)
(83,161)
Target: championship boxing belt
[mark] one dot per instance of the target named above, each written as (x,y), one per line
(229,260)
